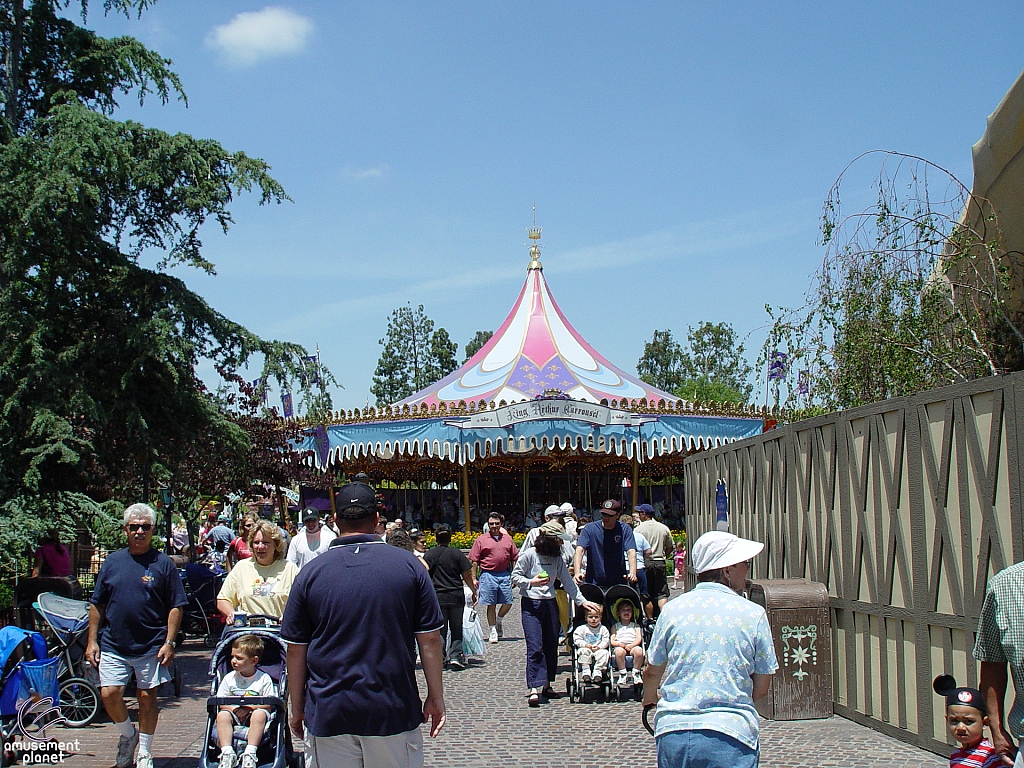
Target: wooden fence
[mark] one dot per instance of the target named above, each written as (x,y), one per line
(903,509)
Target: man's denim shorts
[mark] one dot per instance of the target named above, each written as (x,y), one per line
(495,588)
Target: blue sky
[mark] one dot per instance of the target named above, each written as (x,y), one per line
(678,153)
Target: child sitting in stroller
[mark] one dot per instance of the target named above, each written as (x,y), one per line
(591,641)
(627,640)
(244,680)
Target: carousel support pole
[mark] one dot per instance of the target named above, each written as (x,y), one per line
(330,497)
(636,484)
(282,510)
(526,490)
(465,497)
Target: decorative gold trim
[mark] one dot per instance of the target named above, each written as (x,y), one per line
(641,406)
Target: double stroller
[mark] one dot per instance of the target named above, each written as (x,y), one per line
(275,750)
(609,683)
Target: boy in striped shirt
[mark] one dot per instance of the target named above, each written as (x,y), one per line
(967,717)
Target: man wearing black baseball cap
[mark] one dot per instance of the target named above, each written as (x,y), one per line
(361,705)
(608,544)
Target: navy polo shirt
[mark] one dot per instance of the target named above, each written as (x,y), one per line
(358,606)
(136,593)
(606,552)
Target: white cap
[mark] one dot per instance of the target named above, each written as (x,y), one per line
(552,511)
(719,549)
(566,508)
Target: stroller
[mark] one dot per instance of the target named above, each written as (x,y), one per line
(29,690)
(201,617)
(79,681)
(605,687)
(276,749)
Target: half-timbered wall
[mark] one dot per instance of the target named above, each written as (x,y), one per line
(903,509)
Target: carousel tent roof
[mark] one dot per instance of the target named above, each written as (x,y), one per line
(535,385)
(536,349)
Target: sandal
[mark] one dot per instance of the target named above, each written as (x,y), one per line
(534,699)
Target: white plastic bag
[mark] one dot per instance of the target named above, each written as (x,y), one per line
(472,634)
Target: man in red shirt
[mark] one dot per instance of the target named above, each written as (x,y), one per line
(495,553)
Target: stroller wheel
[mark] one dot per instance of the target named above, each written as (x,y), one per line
(210,641)
(79,702)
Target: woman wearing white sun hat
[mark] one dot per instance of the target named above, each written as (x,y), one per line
(711,657)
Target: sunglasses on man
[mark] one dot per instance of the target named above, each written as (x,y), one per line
(144,527)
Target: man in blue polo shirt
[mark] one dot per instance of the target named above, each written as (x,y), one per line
(609,544)
(351,620)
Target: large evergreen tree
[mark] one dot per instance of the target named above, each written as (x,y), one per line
(414,355)
(97,353)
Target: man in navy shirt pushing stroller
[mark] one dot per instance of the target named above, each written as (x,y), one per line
(608,544)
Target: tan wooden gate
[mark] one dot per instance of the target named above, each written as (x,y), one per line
(903,509)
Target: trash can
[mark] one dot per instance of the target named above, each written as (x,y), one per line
(799,618)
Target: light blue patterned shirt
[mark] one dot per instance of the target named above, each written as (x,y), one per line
(711,641)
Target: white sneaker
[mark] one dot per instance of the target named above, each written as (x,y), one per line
(126,750)
(638,678)
(585,676)
(501,632)
(598,675)
(227,760)
(249,760)
(494,635)
(144,761)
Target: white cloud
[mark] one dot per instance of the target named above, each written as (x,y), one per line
(255,35)
(362,174)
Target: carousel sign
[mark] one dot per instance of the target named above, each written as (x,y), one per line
(540,410)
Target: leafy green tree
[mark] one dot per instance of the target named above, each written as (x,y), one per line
(661,363)
(98,388)
(714,355)
(475,344)
(710,368)
(915,292)
(414,355)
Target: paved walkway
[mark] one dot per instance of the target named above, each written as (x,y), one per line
(490,725)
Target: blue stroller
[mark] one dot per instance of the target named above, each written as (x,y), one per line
(275,751)
(79,681)
(29,682)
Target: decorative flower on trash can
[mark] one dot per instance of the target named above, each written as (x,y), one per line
(798,654)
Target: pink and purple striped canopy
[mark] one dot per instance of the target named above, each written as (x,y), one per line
(536,350)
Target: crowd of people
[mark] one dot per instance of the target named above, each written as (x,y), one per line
(353,694)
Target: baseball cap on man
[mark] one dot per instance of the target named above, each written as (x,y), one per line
(224,518)
(719,549)
(552,511)
(566,508)
(357,497)
(647,509)
(610,507)
(310,514)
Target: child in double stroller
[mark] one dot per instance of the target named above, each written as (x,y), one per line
(247,712)
(607,651)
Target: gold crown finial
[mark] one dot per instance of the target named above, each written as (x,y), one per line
(534,234)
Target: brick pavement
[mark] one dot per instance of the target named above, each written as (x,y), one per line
(489,724)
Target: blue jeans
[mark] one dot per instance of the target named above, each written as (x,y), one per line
(703,749)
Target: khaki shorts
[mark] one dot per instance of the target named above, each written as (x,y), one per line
(403,750)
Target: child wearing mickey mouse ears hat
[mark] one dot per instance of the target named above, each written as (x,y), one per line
(966,717)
